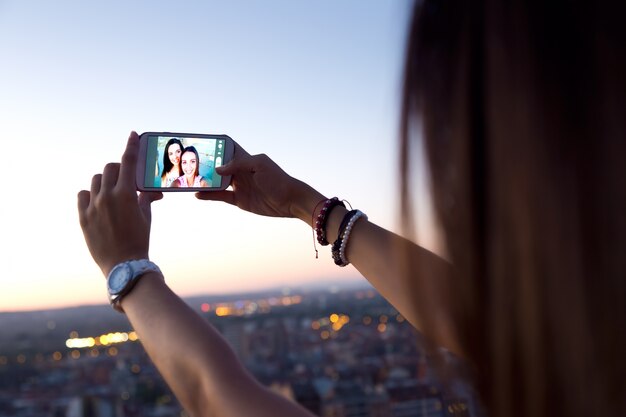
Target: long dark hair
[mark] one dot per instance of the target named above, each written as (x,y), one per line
(520,103)
(191,149)
(167,164)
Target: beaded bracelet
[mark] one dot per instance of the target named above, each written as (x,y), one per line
(339,246)
(322,218)
(344,241)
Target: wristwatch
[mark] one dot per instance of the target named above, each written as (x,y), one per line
(123,278)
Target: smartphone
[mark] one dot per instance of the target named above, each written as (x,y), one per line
(182,161)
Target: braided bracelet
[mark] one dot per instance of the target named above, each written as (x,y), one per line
(339,246)
(322,218)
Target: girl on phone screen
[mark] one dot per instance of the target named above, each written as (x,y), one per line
(189,163)
(171,162)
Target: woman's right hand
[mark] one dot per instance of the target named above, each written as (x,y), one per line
(260,186)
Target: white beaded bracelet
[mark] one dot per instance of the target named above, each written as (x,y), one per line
(339,247)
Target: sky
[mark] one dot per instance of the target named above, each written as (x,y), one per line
(314,85)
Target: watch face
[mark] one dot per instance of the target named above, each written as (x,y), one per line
(119,277)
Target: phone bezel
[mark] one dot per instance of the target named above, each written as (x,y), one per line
(229,149)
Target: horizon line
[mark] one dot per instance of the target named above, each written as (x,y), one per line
(328,285)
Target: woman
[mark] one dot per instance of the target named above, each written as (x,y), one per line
(189,163)
(171,162)
(520,103)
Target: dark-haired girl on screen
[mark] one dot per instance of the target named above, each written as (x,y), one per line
(171,162)
(189,162)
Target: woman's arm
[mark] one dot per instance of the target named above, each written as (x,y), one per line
(193,358)
(393,265)
(382,257)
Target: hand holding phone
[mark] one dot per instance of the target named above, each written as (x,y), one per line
(260,186)
(114,219)
(182,161)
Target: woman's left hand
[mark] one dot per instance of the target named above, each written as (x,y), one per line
(115,220)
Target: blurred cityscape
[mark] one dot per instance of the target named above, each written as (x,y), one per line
(338,352)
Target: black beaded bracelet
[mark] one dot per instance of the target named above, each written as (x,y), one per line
(340,245)
(337,243)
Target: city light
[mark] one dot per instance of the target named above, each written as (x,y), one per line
(102,340)
(113,338)
(80,343)
(223,311)
(335,321)
(249,307)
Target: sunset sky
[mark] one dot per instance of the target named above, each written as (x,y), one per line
(315,85)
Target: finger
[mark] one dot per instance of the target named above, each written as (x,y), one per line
(110,174)
(239,151)
(225,196)
(235,166)
(96,182)
(239,155)
(129,163)
(83,202)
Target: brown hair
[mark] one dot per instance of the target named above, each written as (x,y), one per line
(521,104)
(167,164)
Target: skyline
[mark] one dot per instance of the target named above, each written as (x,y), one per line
(305,345)
(316,87)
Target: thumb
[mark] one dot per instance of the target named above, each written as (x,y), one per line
(145,199)
(225,196)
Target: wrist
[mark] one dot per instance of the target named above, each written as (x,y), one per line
(107,267)
(305,203)
(333,222)
(124,276)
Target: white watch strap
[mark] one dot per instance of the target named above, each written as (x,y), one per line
(138,267)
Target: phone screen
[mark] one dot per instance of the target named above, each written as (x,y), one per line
(183,162)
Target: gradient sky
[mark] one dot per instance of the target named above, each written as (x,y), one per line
(315,85)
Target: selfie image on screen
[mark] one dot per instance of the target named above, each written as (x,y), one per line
(183,162)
